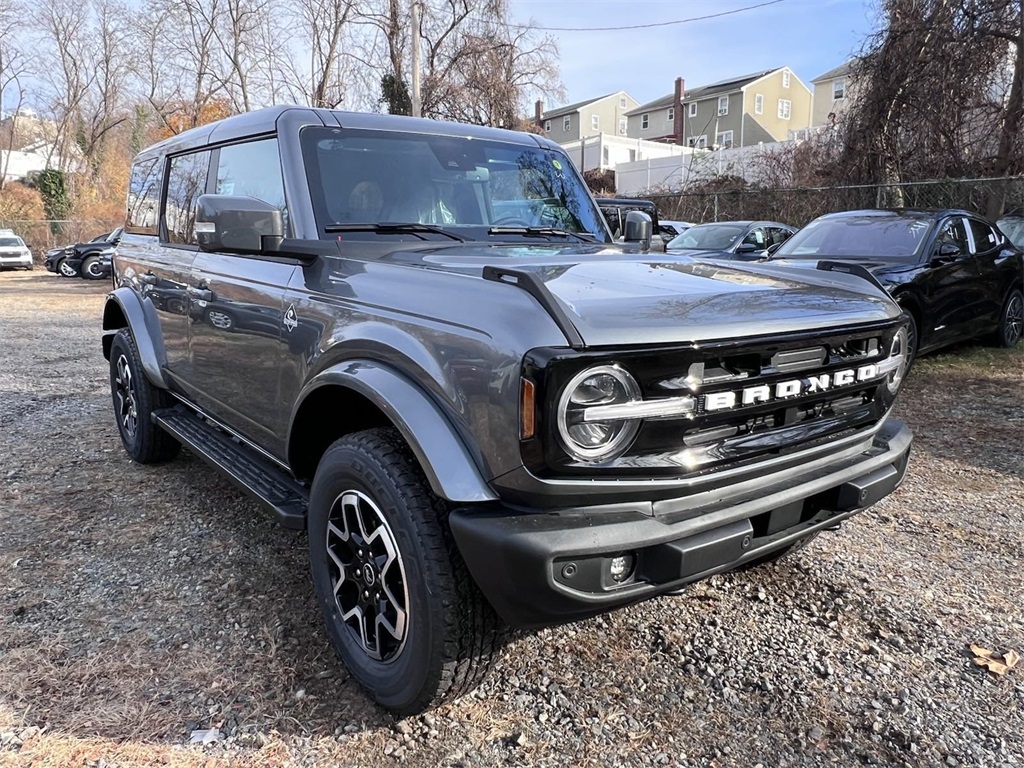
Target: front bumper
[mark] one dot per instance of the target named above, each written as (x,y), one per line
(540,568)
(19,260)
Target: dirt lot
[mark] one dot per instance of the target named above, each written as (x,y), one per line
(140,604)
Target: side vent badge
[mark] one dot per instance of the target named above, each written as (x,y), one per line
(291,320)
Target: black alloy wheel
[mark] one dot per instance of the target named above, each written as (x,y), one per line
(1011,324)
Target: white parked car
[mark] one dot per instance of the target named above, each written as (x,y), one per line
(13,251)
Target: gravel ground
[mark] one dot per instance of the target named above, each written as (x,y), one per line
(141,604)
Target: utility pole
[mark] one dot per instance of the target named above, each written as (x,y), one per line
(416,105)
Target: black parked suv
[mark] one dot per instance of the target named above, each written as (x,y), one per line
(482,411)
(90,260)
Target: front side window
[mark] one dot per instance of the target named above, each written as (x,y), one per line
(144,197)
(252,170)
(186,181)
(723,105)
(785,109)
(468,187)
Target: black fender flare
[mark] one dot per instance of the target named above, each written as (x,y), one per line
(124,309)
(447,463)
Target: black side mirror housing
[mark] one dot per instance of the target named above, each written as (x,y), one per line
(946,253)
(236,224)
(773,248)
(747,248)
(639,229)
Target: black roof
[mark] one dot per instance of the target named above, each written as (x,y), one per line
(264,121)
(917,213)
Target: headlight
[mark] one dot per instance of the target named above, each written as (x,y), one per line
(583,435)
(898,362)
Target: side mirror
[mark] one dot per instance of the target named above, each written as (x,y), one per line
(639,229)
(946,253)
(235,223)
(773,248)
(747,248)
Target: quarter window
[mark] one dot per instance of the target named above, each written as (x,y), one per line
(723,105)
(186,181)
(785,109)
(144,197)
(954,232)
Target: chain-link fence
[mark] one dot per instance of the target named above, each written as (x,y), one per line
(797,206)
(43,235)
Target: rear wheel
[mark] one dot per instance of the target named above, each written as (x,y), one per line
(91,268)
(400,606)
(135,399)
(1011,321)
(66,270)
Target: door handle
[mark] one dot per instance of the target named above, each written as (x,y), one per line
(199,294)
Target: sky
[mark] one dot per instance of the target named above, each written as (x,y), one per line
(809,36)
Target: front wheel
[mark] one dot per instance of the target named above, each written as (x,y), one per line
(135,399)
(1011,321)
(91,268)
(65,269)
(400,607)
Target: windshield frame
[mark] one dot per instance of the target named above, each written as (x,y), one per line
(565,183)
(915,257)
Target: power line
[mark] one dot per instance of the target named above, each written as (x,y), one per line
(647,26)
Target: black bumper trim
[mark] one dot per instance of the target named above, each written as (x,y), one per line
(520,558)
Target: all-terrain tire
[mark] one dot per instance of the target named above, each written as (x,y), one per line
(135,399)
(450,632)
(1011,321)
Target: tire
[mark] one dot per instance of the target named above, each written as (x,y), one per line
(91,269)
(773,557)
(221,320)
(1011,321)
(913,339)
(442,633)
(66,270)
(135,399)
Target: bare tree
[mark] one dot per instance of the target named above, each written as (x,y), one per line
(13,67)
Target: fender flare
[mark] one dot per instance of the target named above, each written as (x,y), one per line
(450,469)
(123,309)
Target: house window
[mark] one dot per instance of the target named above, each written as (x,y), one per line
(758,103)
(838,89)
(700,142)
(671,114)
(566,123)
(604,155)
(693,109)
(785,108)
(622,102)
(622,126)
(785,78)
(547,126)
(723,105)
(595,122)
(724,139)
(645,121)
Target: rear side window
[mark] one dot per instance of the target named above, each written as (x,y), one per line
(186,181)
(984,236)
(144,198)
(252,170)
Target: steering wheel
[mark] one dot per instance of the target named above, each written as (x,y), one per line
(511,221)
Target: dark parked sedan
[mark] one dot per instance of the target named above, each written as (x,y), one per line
(1013,227)
(955,274)
(742,240)
(91,260)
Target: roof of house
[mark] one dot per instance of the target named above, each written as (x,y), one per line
(569,108)
(705,91)
(843,69)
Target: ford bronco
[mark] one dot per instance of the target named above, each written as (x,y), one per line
(417,342)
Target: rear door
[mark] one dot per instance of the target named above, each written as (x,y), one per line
(237,312)
(996,269)
(953,286)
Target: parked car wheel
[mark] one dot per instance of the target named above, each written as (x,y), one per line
(66,270)
(400,607)
(91,268)
(135,399)
(1011,322)
(221,320)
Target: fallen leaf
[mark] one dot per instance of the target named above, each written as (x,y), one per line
(984,653)
(993,662)
(1011,658)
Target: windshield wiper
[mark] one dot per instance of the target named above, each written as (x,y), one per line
(396,227)
(584,237)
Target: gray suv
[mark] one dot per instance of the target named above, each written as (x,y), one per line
(416,341)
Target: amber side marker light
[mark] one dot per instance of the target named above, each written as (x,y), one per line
(527,409)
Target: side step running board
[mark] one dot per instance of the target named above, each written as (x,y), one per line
(287,499)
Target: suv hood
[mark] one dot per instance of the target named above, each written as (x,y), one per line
(622,298)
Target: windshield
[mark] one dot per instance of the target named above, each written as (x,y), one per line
(1014,230)
(707,237)
(887,236)
(468,186)
(11,242)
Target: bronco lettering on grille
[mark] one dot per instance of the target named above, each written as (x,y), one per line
(763,393)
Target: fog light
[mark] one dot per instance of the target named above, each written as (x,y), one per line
(621,567)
